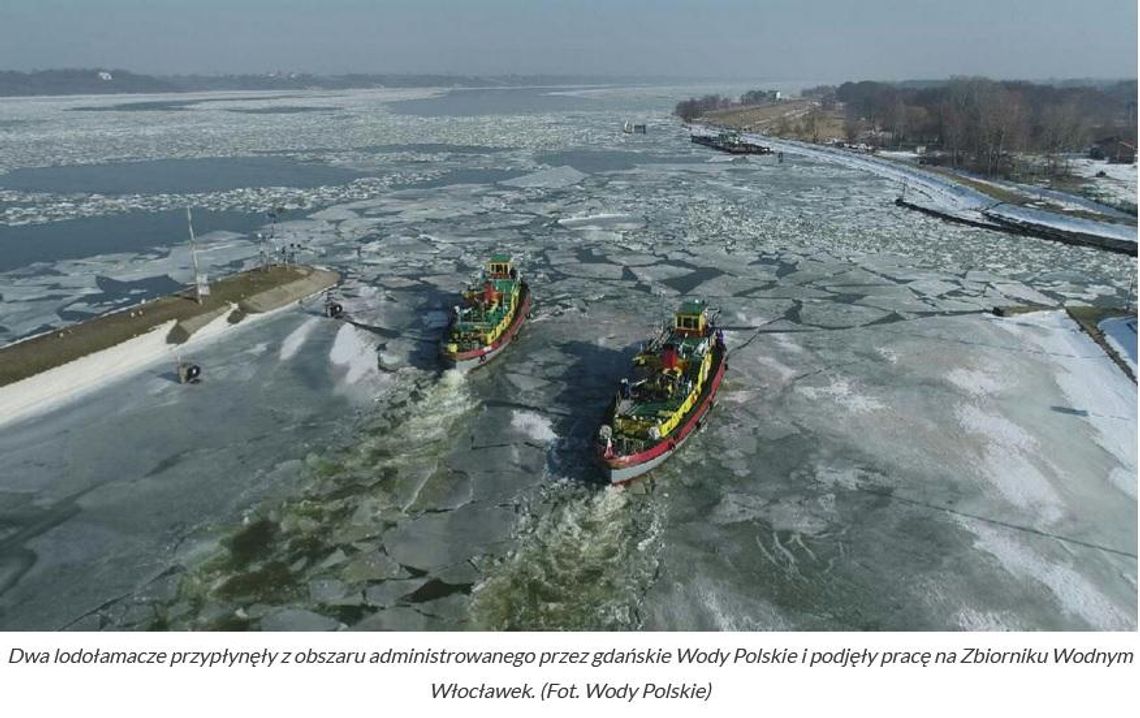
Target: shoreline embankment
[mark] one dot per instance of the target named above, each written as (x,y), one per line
(44,371)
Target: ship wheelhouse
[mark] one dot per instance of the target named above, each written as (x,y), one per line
(500,266)
(691,319)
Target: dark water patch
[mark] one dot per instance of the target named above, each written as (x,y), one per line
(204,174)
(494,101)
(792,314)
(21,522)
(414,572)
(89,236)
(590,381)
(283,110)
(115,294)
(892,318)
(114,288)
(349,615)
(753,290)
(586,255)
(844,297)
(146,106)
(71,316)
(261,583)
(251,541)
(435,589)
(784,269)
(26,272)
(688,282)
(170,105)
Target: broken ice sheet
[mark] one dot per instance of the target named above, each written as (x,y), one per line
(867,397)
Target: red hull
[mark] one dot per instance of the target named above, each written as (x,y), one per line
(478,357)
(624,469)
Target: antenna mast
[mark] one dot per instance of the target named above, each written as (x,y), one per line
(194,257)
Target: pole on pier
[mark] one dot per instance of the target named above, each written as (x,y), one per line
(194,258)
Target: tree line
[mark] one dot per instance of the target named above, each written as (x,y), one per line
(979,123)
(694,107)
(975,122)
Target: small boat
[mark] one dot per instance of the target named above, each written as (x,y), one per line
(491,314)
(673,385)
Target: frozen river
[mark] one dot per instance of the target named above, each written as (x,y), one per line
(885,455)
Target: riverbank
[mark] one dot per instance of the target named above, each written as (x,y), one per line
(950,197)
(48,368)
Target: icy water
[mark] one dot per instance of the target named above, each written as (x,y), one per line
(31,244)
(885,455)
(183,175)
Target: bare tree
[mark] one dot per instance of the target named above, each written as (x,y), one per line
(853,125)
(1062,129)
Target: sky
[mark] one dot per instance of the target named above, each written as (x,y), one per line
(830,40)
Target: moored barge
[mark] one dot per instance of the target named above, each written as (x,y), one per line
(732,143)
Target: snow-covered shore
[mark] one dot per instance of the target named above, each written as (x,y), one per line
(58,385)
(940,194)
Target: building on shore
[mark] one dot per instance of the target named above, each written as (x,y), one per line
(1115,149)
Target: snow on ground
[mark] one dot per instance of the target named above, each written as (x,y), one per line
(47,390)
(941,191)
(943,194)
(1117,186)
(900,155)
(1066,223)
(71,381)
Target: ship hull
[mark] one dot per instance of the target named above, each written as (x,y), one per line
(623,469)
(741,148)
(469,361)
